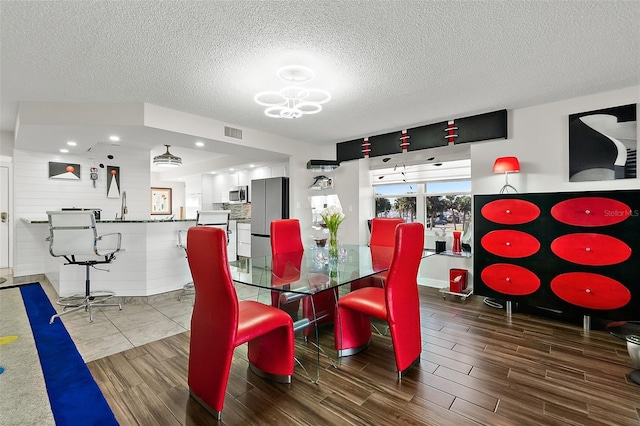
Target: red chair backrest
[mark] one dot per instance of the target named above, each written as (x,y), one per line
(401,287)
(285,236)
(285,268)
(216,302)
(383,231)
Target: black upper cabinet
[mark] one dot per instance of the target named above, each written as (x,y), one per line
(351,150)
(481,127)
(386,144)
(492,125)
(425,137)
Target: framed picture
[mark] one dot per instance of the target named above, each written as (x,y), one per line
(160,200)
(67,171)
(113,182)
(603,144)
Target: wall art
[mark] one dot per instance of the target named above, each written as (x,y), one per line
(113,182)
(64,171)
(603,144)
(160,200)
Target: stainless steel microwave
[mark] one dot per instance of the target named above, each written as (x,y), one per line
(239,194)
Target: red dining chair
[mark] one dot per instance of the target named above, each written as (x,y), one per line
(220,323)
(383,232)
(397,303)
(286,238)
(285,269)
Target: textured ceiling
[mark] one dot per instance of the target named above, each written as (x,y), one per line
(387,64)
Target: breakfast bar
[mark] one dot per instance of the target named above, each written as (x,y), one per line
(150,263)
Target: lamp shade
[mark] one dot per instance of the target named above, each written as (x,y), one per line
(506,165)
(167,159)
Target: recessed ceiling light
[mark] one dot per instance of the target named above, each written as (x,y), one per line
(114,138)
(71,143)
(199,143)
(431,158)
(384,160)
(213,173)
(252,165)
(231,169)
(437,164)
(64,151)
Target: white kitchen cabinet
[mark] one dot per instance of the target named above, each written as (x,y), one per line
(207,192)
(232,247)
(244,239)
(221,183)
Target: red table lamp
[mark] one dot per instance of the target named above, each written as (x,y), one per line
(506,165)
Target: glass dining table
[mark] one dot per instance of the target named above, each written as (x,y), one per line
(312,274)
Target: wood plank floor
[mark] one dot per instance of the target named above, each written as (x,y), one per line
(477,367)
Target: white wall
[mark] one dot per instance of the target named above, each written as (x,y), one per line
(539,137)
(178,197)
(35,193)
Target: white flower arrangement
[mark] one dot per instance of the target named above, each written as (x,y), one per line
(332,217)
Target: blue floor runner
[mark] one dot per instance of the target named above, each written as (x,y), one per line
(74,395)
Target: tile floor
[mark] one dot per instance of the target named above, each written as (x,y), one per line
(114,330)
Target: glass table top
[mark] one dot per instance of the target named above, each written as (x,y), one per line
(312,271)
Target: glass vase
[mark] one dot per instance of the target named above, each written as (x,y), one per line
(333,243)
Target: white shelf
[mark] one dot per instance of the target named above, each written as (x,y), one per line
(466,293)
(465,254)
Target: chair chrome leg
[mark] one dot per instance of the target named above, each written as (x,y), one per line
(353,351)
(185,288)
(414,363)
(87,303)
(217,414)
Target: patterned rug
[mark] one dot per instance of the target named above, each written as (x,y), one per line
(43,379)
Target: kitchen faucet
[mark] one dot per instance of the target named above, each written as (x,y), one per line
(123,206)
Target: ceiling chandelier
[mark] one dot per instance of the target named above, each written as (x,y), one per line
(293,101)
(167,159)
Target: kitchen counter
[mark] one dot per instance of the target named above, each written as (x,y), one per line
(151,262)
(40,220)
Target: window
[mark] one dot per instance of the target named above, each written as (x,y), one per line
(435,194)
(448,204)
(396,201)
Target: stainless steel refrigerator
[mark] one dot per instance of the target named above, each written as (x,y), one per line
(269,201)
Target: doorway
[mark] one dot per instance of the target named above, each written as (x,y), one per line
(4,217)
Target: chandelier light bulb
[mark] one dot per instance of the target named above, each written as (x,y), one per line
(293,101)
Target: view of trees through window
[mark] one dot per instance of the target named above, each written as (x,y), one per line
(404,207)
(448,211)
(447,204)
(396,201)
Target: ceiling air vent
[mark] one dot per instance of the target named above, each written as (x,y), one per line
(322,165)
(230,132)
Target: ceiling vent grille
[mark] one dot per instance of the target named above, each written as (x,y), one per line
(230,132)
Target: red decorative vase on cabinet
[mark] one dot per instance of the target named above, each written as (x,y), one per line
(457,246)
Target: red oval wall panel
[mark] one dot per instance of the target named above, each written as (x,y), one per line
(509,279)
(510,212)
(591,249)
(591,291)
(590,211)
(510,243)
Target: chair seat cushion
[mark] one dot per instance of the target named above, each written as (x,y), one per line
(256,319)
(368,300)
